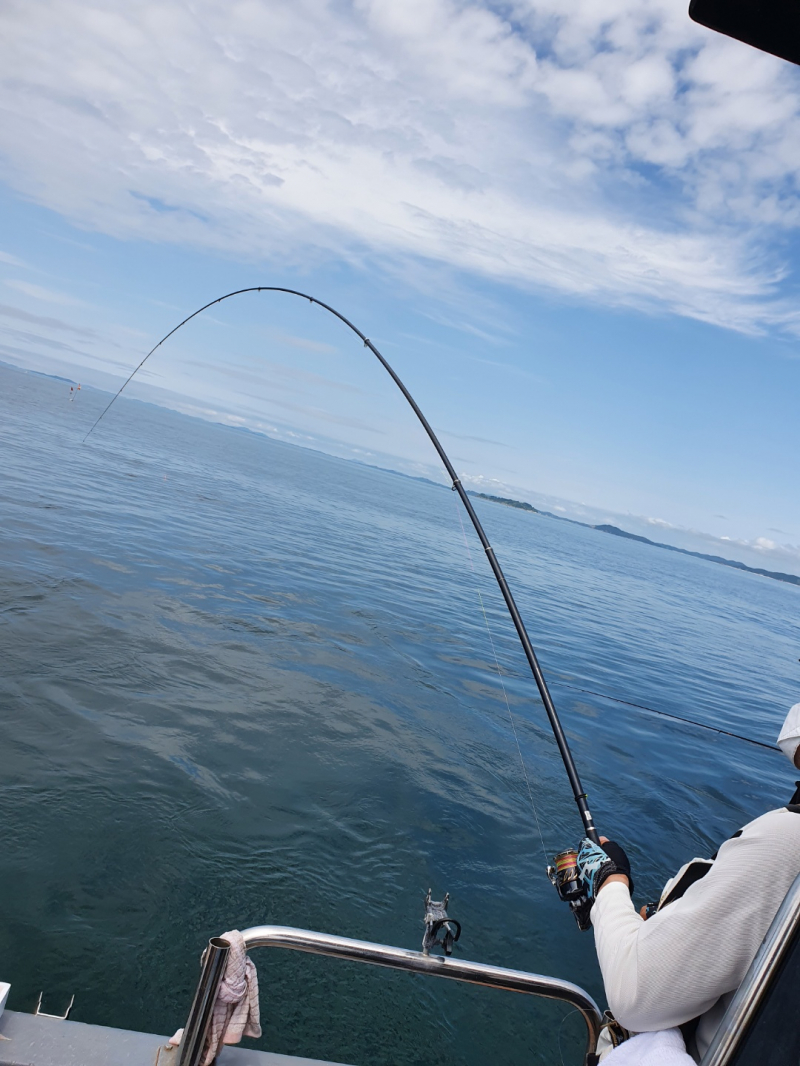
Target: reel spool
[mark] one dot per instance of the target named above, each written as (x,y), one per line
(568,883)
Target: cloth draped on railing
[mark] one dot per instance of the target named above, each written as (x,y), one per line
(236,1011)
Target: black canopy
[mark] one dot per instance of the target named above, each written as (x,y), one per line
(771,25)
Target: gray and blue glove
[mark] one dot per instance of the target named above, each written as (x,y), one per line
(597,862)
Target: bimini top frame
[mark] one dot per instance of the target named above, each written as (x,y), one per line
(339,947)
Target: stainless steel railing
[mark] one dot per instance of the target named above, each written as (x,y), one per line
(340,947)
(759,984)
(195,1031)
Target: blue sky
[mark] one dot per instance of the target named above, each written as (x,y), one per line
(572,229)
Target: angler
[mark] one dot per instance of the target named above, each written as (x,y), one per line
(691,960)
(678,962)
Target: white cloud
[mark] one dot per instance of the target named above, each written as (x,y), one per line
(11,260)
(304,343)
(614,152)
(48,323)
(38,292)
(771,550)
(661,523)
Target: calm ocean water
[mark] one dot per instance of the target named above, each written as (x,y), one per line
(245,683)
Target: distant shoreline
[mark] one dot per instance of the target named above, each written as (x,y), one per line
(615,531)
(774,574)
(505,501)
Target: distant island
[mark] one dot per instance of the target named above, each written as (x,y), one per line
(519,504)
(38,373)
(617,532)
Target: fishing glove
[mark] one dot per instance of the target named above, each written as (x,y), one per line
(596,863)
(616,853)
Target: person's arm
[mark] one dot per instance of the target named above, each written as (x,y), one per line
(665,971)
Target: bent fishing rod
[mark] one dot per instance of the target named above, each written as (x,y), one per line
(519,625)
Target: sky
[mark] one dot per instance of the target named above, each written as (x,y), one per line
(572,229)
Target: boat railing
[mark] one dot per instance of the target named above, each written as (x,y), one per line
(340,947)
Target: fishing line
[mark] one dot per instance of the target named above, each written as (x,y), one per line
(552,715)
(502,684)
(667,714)
(558,1034)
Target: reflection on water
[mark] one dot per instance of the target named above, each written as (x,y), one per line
(245,683)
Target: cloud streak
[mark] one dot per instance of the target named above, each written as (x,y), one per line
(610,153)
(45,321)
(11,260)
(38,292)
(34,340)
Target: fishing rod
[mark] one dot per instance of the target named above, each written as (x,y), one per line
(555,724)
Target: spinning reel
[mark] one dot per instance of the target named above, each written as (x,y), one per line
(570,887)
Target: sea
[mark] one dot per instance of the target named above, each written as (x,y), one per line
(245,682)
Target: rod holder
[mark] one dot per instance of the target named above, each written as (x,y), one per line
(195,1031)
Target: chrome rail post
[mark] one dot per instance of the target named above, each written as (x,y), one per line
(744,1006)
(195,1031)
(475,973)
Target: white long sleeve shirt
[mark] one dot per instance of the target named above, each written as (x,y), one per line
(689,958)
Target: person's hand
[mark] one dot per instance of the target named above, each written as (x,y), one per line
(617,853)
(595,867)
(598,865)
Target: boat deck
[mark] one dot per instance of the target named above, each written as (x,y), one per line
(31,1040)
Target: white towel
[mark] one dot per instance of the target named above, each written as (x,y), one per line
(235,1013)
(665,1048)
